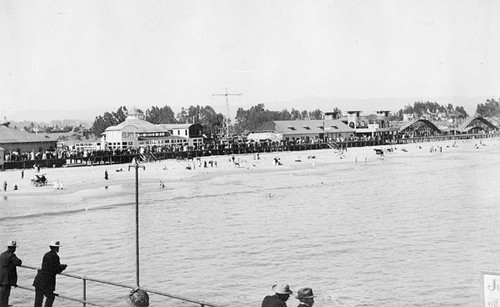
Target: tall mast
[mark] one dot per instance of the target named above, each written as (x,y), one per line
(226,122)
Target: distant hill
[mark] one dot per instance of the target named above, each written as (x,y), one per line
(308,103)
(46,115)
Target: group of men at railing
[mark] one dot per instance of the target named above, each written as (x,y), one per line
(45,280)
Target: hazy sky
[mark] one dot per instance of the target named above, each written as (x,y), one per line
(73,54)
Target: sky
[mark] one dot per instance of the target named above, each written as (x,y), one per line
(67,55)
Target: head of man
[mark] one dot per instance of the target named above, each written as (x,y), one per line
(282,292)
(12,245)
(306,296)
(54,245)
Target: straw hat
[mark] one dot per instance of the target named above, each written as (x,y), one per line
(55,244)
(282,289)
(12,244)
(138,298)
(305,293)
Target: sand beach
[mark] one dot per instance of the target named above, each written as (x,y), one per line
(87,182)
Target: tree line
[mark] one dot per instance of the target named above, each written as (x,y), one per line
(256,116)
(420,108)
(211,121)
(491,108)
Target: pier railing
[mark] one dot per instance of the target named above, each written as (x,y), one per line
(85,280)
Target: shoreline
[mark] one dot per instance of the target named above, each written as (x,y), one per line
(88,183)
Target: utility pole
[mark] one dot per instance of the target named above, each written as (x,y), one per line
(226,122)
(135,164)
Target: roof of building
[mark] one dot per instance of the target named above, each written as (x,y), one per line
(305,126)
(175,126)
(10,135)
(135,124)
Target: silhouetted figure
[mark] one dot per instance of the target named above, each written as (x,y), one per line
(282,293)
(8,272)
(45,280)
(306,297)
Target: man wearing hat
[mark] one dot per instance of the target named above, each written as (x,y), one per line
(8,272)
(45,280)
(306,297)
(282,293)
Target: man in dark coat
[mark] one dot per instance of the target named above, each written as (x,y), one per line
(45,280)
(8,272)
(282,293)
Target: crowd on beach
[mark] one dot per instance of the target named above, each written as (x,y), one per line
(155,152)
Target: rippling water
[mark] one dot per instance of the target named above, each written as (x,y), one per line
(403,231)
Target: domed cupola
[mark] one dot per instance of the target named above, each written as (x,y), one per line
(135,113)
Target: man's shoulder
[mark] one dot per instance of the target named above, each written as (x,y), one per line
(6,254)
(272,301)
(51,253)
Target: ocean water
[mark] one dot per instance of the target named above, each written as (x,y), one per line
(408,230)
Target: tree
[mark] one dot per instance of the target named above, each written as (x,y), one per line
(163,115)
(489,109)
(295,114)
(211,121)
(316,114)
(182,116)
(109,119)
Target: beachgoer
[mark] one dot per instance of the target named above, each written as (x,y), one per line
(8,272)
(282,293)
(16,187)
(138,298)
(106,175)
(22,174)
(45,280)
(5,186)
(306,297)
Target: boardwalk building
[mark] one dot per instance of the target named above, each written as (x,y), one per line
(302,131)
(136,132)
(19,144)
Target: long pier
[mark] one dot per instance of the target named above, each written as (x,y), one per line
(106,159)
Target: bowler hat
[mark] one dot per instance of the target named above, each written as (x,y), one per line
(55,244)
(305,293)
(12,243)
(282,289)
